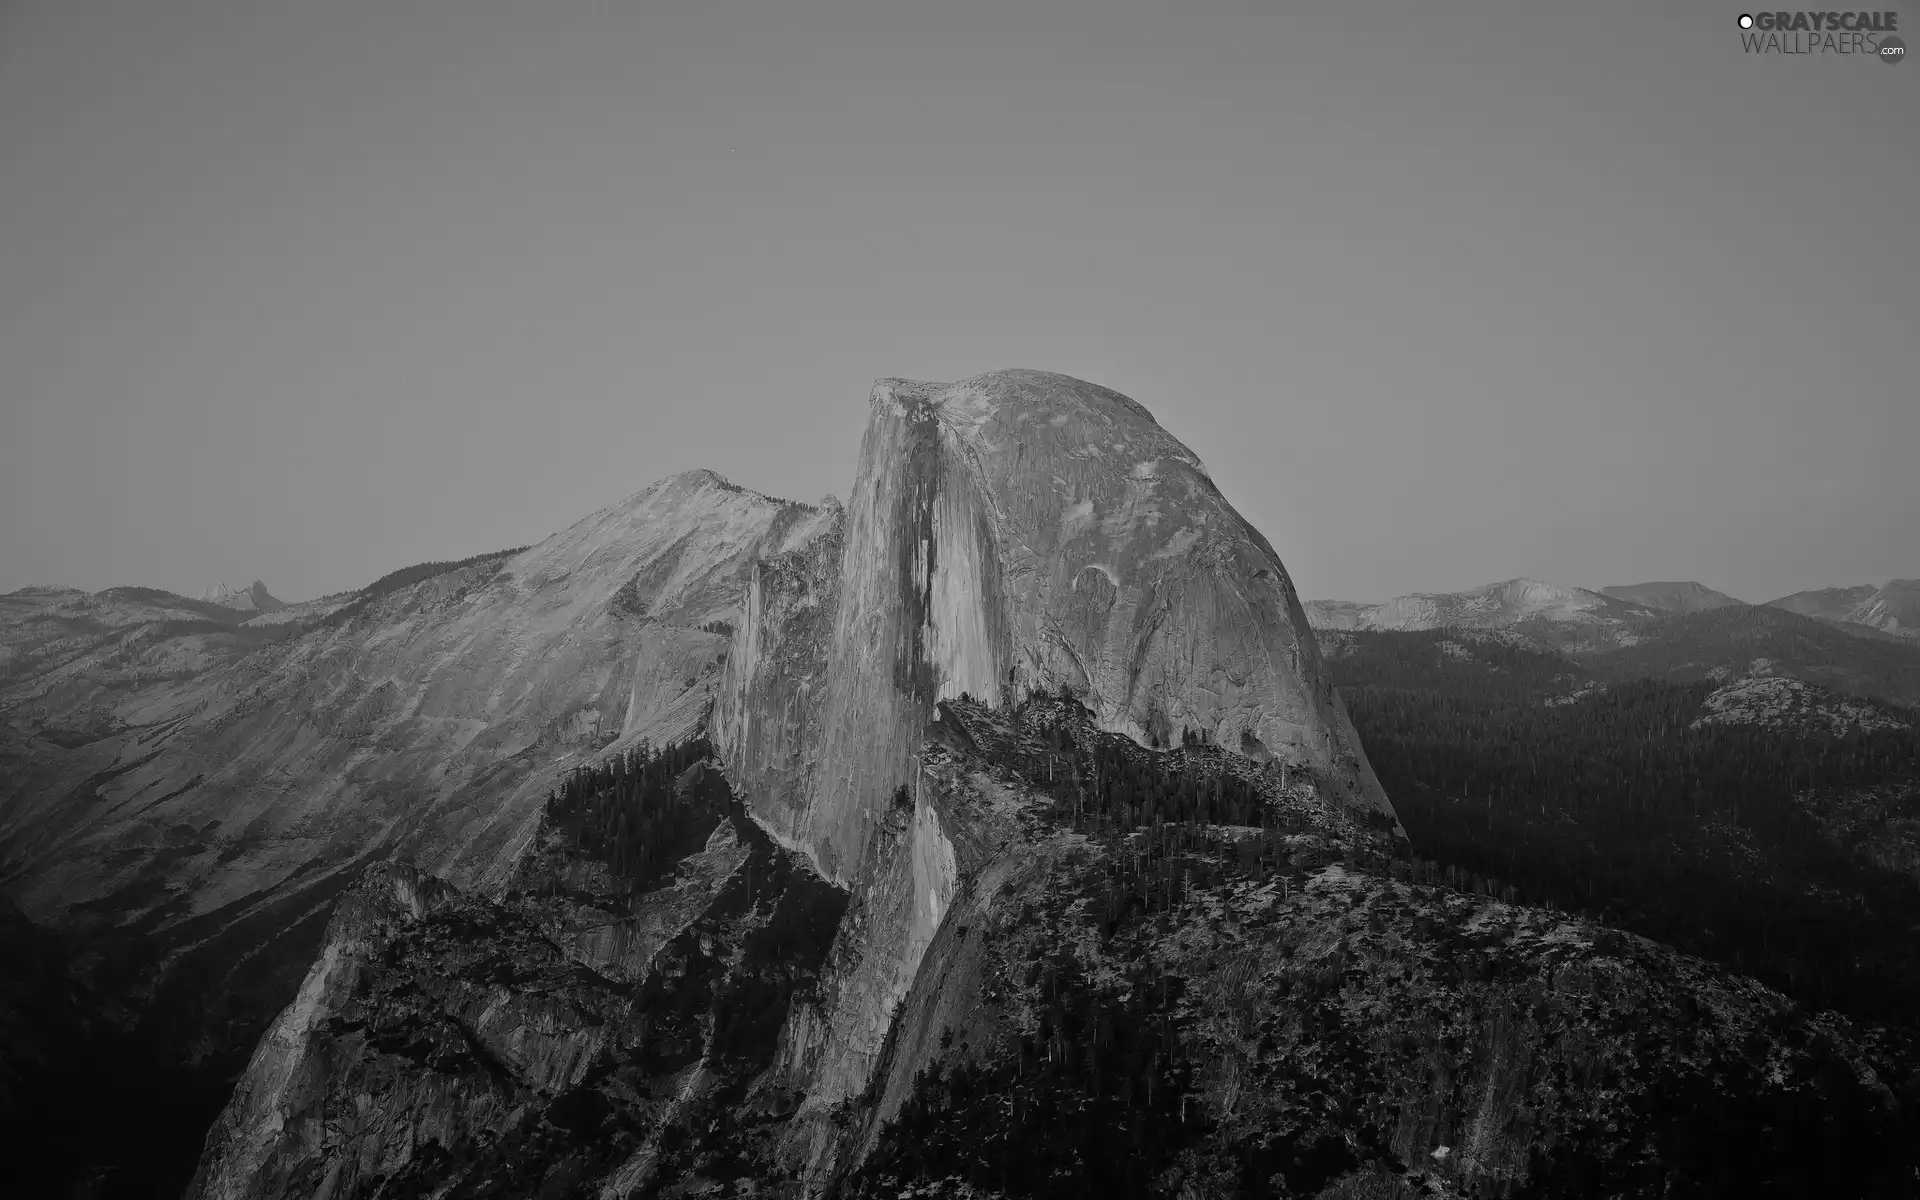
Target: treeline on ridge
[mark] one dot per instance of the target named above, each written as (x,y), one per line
(406,577)
(633,812)
(1104,783)
(1172,821)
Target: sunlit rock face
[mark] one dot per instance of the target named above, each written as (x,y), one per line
(252,598)
(1009,535)
(766,720)
(1012,533)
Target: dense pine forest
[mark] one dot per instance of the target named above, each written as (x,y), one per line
(1612,803)
(1104,1090)
(637,813)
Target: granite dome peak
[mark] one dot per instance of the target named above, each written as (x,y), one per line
(1018,547)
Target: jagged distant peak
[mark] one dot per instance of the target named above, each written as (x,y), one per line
(252,598)
(1677,597)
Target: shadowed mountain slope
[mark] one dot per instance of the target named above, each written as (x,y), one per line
(1893,609)
(1671,597)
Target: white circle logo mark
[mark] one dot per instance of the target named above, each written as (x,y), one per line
(1746,20)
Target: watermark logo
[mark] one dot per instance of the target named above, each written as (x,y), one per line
(1868,34)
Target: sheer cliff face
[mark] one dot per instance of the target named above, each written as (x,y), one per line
(202,820)
(1018,532)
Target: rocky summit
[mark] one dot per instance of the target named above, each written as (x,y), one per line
(252,598)
(1011,534)
(999,832)
(196,825)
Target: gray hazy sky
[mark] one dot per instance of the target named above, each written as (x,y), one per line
(1441,293)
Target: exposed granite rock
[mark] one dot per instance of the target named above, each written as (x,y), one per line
(568,1038)
(1175,1011)
(1161,1017)
(908,944)
(201,825)
(1015,533)
(254,598)
(1009,535)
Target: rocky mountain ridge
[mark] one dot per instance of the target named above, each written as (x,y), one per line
(1007,535)
(722,845)
(1892,609)
(1574,618)
(198,831)
(1685,597)
(1282,1008)
(1011,534)
(1581,620)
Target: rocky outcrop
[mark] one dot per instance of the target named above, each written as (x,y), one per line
(1015,533)
(1893,609)
(254,598)
(1192,1009)
(567,1036)
(1337,1033)
(1790,706)
(1012,535)
(767,720)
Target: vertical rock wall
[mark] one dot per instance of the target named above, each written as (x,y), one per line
(1010,533)
(1013,533)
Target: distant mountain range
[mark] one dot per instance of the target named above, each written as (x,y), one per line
(1893,609)
(1554,614)
(1685,597)
(1574,618)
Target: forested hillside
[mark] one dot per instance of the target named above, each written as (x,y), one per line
(1721,839)
(1695,646)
